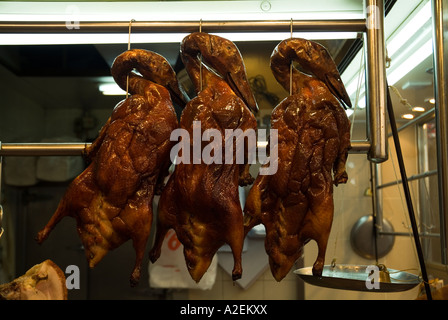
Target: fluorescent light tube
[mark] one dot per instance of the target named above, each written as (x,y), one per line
(411,27)
(122,38)
(410,63)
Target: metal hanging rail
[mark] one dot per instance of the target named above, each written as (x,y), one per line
(354,25)
(372,27)
(76,149)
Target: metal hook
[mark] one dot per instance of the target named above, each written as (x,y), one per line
(129,48)
(1,208)
(290,27)
(290,66)
(1,221)
(200,61)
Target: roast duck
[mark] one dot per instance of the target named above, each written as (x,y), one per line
(296,203)
(111,199)
(200,200)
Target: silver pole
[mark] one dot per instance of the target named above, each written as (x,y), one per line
(354,25)
(376,81)
(439,12)
(76,149)
(42,149)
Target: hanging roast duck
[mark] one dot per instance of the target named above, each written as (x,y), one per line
(200,200)
(296,203)
(111,199)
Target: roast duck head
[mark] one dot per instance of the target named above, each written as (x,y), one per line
(153,67)
(221,57)
(312,58)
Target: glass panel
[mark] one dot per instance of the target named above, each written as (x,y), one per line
(428,191)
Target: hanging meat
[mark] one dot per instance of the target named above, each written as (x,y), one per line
(44,281)
(111,199)
(296,203)
(201,201)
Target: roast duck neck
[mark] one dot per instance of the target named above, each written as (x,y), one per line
(201,201)
(317,69)
(111,199)
(296,203)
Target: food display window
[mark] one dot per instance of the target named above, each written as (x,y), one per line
(122,176)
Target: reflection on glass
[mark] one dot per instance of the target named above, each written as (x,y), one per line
(428,191)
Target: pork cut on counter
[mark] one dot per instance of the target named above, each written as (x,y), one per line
(44,281)
(112,198)
(201,200)
(296,203)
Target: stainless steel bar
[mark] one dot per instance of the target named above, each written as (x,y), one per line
(75,149)
(376,81)
(440,44)
(376,215)
(413,177)
(377,194)
(359,146)
(354,25)
(42,149)
(422,234)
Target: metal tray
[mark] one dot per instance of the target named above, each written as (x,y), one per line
(353,277)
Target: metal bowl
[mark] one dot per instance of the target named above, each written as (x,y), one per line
(368,245)
(354,277)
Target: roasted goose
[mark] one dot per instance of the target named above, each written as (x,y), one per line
(111,199)
(296,203)
(200,200)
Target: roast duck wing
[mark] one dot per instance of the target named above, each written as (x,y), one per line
(200,200)
(111,199)
(296,203)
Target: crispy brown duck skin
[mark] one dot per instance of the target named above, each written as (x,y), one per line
(111,199)
(296,203)
(200,201)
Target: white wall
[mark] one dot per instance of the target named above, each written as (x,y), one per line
(351,204)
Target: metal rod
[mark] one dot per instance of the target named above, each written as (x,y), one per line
(377,195)
(374,208)
(76,149)
(359,146)
(354,25)
(411,178)
(407,194)
(376,81)
(42,149)
(422,234)
(439,13)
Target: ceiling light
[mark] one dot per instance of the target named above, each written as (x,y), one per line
(412,27)
(407,45)
(431,100)
(418,109)
(121,38)
(177,10)
(75,13)
(408,116)
(412,61)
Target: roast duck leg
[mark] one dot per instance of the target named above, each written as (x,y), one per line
(111,199)
(296,203)
(200,200)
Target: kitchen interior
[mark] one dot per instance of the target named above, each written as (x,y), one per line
(51,92)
